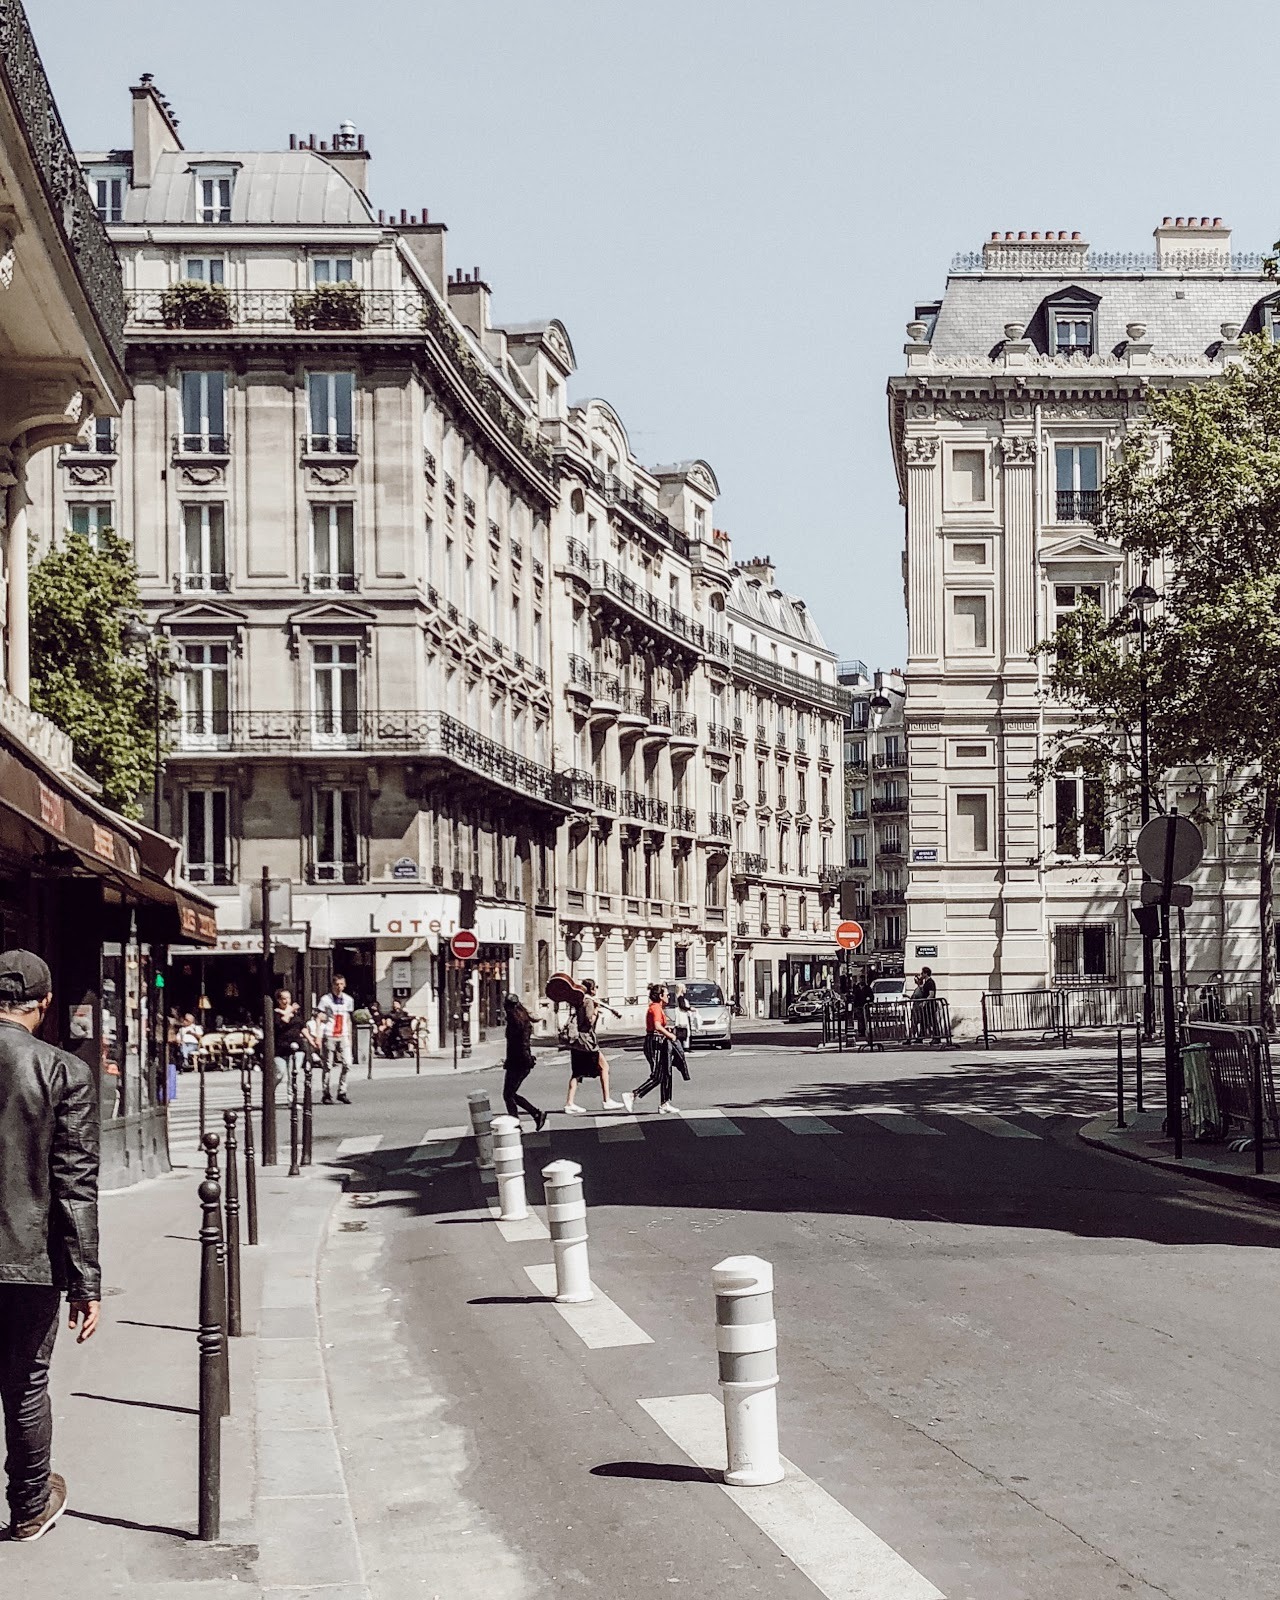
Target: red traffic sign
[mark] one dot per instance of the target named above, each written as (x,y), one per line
(849,935)
(464,944)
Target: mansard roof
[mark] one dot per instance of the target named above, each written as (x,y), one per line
(273,188)
(774,609)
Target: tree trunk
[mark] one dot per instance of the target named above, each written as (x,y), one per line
(1266,919)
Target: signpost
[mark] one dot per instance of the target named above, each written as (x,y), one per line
(1169,849)
(849,935)
(464,946)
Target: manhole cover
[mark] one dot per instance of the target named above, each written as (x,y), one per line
(352,1227)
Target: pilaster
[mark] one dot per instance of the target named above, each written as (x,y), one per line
(922,546)
(1019,575)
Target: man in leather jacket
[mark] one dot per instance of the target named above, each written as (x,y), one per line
(48,1230)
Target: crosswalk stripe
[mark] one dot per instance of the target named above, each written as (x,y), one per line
(988,1122)
(800,1120)
(712,1125)
(611,1130)
(898,1122)
(363,1144)
(599,1323)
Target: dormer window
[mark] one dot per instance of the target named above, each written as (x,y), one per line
(331,269)
(109,186)
(214,186)
(1071,332)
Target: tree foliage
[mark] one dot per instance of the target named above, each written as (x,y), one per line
(84,676)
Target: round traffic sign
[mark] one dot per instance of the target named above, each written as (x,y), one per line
(849,935)
(573,949)
(464,944)
(1181,854)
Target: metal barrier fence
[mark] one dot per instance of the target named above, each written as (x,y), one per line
(900,1022)
(1022,1011)
(1225,1002)
(1240,1063)
(1061,1013)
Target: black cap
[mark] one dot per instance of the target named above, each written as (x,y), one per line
(23,976)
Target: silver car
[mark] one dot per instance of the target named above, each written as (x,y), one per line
(712,1019)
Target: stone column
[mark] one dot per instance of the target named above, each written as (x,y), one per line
(18,664)
(922,546)
(1019,552)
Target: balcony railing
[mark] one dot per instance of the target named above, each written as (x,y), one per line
(1078,505)
(70,202)
(580,672)
(635,805)
(684,725)
(721,826)
(607,686)
(202,583)
(888,897)
(336,872)
(892,761)
(684,819)
(201,444)
(889,804)
(420,733)
(746,864)
(800,684)
(592,791)
(617,494)
(718,736)
(577,555)
(641,603)
(329,444)
(475,631)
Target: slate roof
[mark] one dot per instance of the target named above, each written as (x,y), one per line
(275,188)
(1183,314)
(783,613)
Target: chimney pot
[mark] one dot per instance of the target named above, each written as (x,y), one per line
(995,233)
(404,216)
(1217,222)
(293,141)
(1167,222)
(311,141)
(1008,233)
(1035,235)
(1181,222)
(1022,233)
(1204,222)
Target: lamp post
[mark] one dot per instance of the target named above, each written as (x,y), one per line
(136,632)
(1140,598)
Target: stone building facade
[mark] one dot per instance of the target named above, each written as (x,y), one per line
(788,816)
(1020,383)
(877,816)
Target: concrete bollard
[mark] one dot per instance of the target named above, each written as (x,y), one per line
(747,1347)
(508,1165)
(482,1127)
(567,1217)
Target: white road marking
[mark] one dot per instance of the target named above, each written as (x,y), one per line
(988,1122)
(530,1227)
(841,1556)
(897,1121)
(599,1323)
(362,1145)
(439,1135)
(799,1121)
(611,1129)
(711,1124)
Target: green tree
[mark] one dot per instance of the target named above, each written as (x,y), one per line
(1196,495)
(84,676)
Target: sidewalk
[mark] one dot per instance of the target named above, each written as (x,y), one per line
(125,1417)
(1143,1140)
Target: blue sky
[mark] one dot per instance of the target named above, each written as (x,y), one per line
(733,205)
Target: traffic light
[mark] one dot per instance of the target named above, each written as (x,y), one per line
(467,908)
(848,901)
(1148,920)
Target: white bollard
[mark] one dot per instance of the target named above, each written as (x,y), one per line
(508,1166)
(747,1347)
(482,1127)
(567,1217)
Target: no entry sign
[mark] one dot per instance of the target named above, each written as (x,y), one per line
(464,944)
(849,935)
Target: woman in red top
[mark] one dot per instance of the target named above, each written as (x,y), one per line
(658,1039)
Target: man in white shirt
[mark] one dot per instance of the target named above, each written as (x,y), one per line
(336,1014)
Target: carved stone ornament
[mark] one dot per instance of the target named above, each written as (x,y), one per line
(1019,450)
(1084,410)
(556,344)
(202,475)
(968,410)
(916,331)
(922,450)
(922,409)
(1136,331)
(1230,331)
(89,477)
(702,478)
(330,477)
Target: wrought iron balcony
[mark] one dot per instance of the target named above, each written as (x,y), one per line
(721,826)
(580,672)
(892,761)
(659,813)
(658,713)
(330,582)
(635,805)
(70,203)
(684,725)
(1078,505)
(201,444)
(889,804)
(607,687)
(888,897)
(424,734)
(337,872)
(746,864)
(201,583)
(718,736)
(617,494)
(638,602)
(684,819)
(800,684)
(329,444)
(577,555)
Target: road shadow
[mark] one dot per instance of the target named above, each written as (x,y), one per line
(653,1471)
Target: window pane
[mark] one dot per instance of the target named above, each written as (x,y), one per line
(320,269)
(343,385)
(318,386)
(325,801)
(218,827)
(971,824)
(1095,944)
(192,408)
(346,540)
(347,799)
(1067,841)
(342,270)
(217,540)
(968,473)
(191,518)
(215,387)
(197,843)
(1064,458)
(1088,454)
(969,612)
(1095,833)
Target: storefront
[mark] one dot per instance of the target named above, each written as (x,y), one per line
(96,897)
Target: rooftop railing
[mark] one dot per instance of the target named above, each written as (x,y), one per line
(800,684)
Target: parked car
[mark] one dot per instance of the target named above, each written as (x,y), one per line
(888,989)
(712,1018)
(809,1005)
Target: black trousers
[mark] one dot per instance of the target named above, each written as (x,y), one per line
(29,1315)
(512,1078)
(657,1052)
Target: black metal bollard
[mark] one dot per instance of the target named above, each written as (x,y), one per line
(210,1143)
(250,1171)
(231,1199)
(1120,1122)
(1256,1075)
(294,1168)
(209,1346)
(307,1111)
(1137,1030)
(200,1074)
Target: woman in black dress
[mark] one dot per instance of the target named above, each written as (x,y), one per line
(519,1061)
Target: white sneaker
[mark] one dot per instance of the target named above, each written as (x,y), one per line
(628,1101)
(574,1111)
(611,1105)
(670,1107)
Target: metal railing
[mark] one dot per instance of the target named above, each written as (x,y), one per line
(634,804)
(721,826)
(1078,505)
(684,819)
(607,687)
(684,725)
(747,864)
(580,672)
(888,897)
(70,203)
(641,603)
(800,684)
(718,736)
(425,733)
(1192,259)
(891,760)
(890,804)
(201,444)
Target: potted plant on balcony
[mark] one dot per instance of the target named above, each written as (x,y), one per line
(192,304)
(330,307)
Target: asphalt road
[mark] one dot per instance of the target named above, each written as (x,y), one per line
(1029,1368)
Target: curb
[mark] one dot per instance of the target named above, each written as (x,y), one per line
(1100,1135)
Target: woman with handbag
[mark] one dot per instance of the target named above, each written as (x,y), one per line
(519,1062)
(585,1058)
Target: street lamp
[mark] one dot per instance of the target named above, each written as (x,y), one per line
(1140,598)
(135,631)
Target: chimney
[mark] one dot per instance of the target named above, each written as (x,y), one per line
(469,300)
(347,153)
(761,569)
(1193,244)
(155,130)
(1051,251)
(426,240)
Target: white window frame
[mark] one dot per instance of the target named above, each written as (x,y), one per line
(951,501)
(327,574)
(1079,977)
(205,269)
(1074,314)
(1059,609)
(335,714)
(215,188)
(212,524)
(327,270)
(323,405)
(97,438)
(203,663)
(1082,852)
(110,189)
(203,383)
(1075,446)
(100,514)
(215,867)
(342,804)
